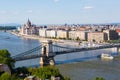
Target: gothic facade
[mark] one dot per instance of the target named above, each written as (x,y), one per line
(29,29)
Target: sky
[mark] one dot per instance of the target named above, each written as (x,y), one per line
(60,11)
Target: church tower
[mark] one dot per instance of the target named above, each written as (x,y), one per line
(28,24)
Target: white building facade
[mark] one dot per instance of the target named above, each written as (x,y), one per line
(62,34)
(51,33)
(82,35)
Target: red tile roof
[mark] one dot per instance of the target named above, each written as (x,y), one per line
(118,30)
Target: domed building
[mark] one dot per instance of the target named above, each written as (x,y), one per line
(28,24)
(28,29)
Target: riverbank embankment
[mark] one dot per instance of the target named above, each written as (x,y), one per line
(42,39)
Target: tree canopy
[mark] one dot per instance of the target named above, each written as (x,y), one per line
(45,72)
(7,27)
(98,78)
(7,76)
(6,59)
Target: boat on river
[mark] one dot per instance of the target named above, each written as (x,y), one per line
(106,56)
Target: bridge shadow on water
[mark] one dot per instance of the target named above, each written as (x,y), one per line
(73,60)
(77,60)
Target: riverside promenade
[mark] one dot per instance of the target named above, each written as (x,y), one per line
(66,43)
(41,39)
(32,36)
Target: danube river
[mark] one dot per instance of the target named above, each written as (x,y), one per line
(17,45)
(84,66)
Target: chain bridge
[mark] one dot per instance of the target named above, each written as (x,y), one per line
(48,50)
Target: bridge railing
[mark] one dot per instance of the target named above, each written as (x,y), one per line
(65,50)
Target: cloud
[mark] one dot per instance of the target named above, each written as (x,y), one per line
(30,11)
(88,7)
(56,0)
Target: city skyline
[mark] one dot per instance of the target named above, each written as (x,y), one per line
(59,11)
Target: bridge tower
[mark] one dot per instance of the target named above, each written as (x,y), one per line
(47,57)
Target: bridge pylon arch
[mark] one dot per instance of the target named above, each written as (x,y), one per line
(47,57)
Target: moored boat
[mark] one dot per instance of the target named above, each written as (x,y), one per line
(106,56)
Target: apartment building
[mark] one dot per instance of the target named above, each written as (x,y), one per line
(118,31)
(62,34)
(82,35)
(51,33)
(97,36)
(43,32)
(111,34)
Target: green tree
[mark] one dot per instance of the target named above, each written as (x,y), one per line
(66,78)
(23,70)
(5,76)
(97,78)
(78,39)
(6,59)
(45,72)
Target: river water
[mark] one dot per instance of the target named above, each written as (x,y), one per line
(84,66)
(17,45)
